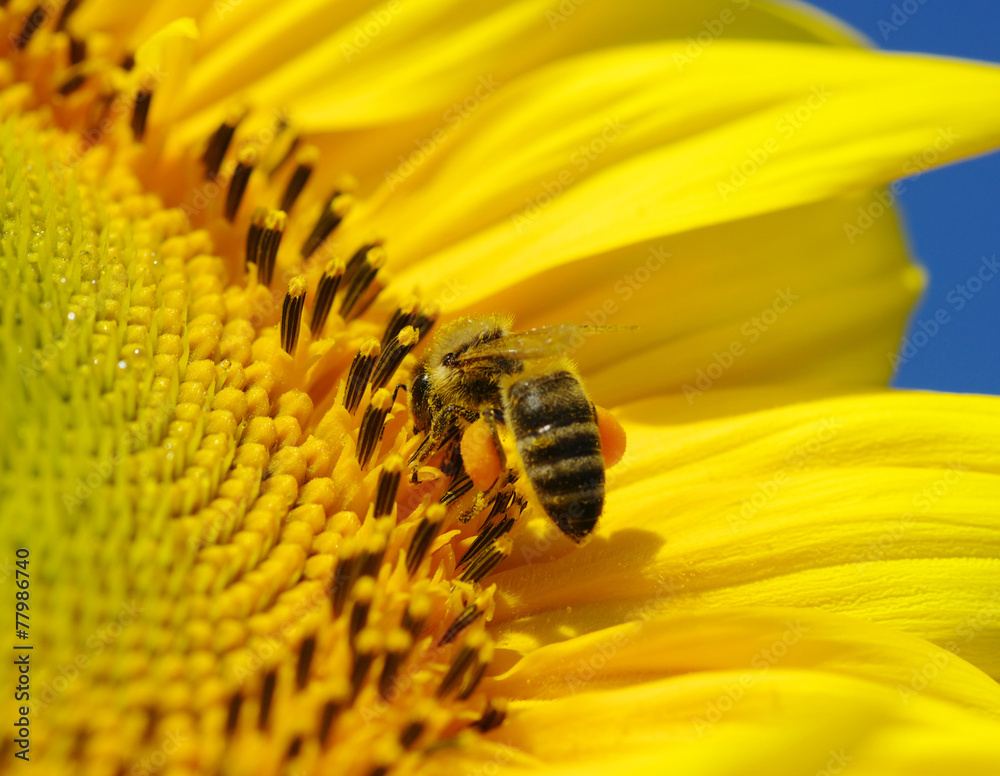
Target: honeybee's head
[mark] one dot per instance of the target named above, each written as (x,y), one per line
(418,398)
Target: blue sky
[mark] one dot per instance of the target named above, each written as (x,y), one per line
(952,215)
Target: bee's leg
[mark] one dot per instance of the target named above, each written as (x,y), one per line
(458,411)
(446,427)
(419,456)
(493,419)
(451,465)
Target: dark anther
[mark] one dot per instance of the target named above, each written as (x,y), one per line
(393,355)
(472,681)
(485,560)
(325,293)
(365,646)
(305,660)
(373,424)
(489,533)
(415,616)
(401,318)
(152,718)
(410,734)
(408,314)
(238,183)
(388,485)
(269,242)
(363,593)
(492,717)
(35,20)
(398,646)
(458,668)
(359,373)
(299,179)
(426,531)
(330,711)
(295,747)
(71,84)
(291,314)
(371,555)
(233,715)
(140,113)
(80,738)
(334,212)
(266,696)
(469,615)
(254,233)
(77,53)
(67,11)
(457,488)
(343,578)
(77,46)
(217,146)
(128,62)
(358,281)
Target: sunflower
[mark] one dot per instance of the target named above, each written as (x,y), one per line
(229,230)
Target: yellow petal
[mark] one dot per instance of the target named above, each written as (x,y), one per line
(371,79)
(756,640)
(880,506)
(362,63)
(775,298)
(730,196)
(692,689)
(640,142)
(730,722)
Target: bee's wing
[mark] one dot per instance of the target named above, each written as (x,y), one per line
(543,342)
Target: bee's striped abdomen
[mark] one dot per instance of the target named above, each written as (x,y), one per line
(554,424)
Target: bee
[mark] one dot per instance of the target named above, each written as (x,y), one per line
(478,368)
